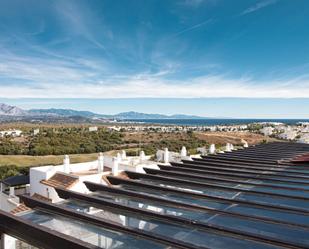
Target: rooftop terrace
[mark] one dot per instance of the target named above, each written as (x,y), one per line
(256,197)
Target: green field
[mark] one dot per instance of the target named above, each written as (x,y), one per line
(19,164)
(30,161)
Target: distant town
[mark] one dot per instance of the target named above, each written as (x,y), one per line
(298,132)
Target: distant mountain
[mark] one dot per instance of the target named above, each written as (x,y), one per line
(11,110)
(60,114)
(138,115)
(63,112)
(183,116)
(123,115)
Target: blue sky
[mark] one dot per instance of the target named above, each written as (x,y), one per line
(135,54)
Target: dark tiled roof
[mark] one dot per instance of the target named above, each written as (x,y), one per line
(17,180)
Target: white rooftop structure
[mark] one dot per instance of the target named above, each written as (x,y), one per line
(212,149)
(228,147)
(44,179)
(183,152)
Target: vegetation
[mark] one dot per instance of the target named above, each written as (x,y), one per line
(173,145)
(49,146)
(73,141)
(11,170)
(255,127)
(62,141)
(30,161)
(9,147)
(78,140)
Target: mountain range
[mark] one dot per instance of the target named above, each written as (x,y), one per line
(13,111)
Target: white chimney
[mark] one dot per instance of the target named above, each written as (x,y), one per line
(115,167)
(100,163)
(66,164)
(142,155)
(246,144)
(123,155)
(228,147)
(212,149)
(118,157)
(232,146)
(183,152)
(166,155)
(12,191)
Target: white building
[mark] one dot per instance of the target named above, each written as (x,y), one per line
(10,188)
(267,130)
(12,133)
(36,131)
(71,176)
(44,179)
(304,138)
(93,128)
(288,134)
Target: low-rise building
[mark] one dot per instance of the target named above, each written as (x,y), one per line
(267,130)
(304,138)
(12,133)
(10,188)
(36,131)
(93,128)
(42,180)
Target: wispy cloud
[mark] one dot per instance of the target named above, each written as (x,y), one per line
(55,76)
(66,80)
(80,20)
(40,71)
(153,90)
(258,6)
(196,26)
(196,3)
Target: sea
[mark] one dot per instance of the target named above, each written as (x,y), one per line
(211,122)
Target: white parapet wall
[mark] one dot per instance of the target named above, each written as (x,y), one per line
(8,203)
(138,167)
(88,171)
(38,174)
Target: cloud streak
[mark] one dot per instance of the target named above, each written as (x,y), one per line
(196,3)
(258,6)
(70,77)
(66,82)
(79,19)
(196,26)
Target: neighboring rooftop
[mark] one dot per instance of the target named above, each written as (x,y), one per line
(17,180)
(251,198)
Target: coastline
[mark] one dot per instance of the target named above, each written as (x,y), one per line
(210,122)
